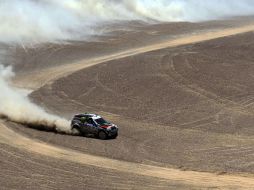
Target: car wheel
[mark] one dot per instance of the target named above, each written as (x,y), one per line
(114,136)
(75,130)
(102,135)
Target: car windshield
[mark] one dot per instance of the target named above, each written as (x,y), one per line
(102,121)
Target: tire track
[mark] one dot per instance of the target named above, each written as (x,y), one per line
(7,136)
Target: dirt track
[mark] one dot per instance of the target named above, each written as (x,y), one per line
(186,177)
(202,179)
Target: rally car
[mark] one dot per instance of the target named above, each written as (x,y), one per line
(92,124)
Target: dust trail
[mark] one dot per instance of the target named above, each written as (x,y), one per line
(15,106)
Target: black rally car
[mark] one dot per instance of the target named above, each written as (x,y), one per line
(92,124)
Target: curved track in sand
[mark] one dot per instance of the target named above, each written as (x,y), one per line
(37,79)
(9,137)
(40,78)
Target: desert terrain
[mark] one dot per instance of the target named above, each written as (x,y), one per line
(182,95)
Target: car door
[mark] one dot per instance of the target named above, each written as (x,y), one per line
(84,127)
(92,126)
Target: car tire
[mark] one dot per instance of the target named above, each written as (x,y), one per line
(75,130)
(102,135)
(114,136)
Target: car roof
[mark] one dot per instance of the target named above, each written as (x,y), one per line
(94,116)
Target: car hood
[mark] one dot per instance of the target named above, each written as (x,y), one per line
(107,126)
